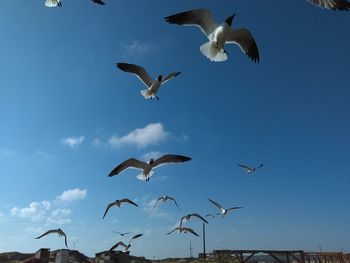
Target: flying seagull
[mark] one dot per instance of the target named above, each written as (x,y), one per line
(224,211)
(249,169)
(189,216)
(165,198)
(211,215)
(342,5)
(100,2)
(152,85)
(147,167)
(120,233)
(218,35)
(53,3)
(58,231)
(118,203)
(126,247)
(184,229)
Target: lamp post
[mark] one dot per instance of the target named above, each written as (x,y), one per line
(204,254)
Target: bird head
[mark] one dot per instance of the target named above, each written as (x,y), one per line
(160,77)
(229,20)
(151,161)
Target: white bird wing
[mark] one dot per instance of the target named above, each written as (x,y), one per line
(52,3)
(100,2)
(190,230)
(170,158)
(170,76)
(176,228)
(136,236)
(130,163)
(233,208)
(261,165)
(200,217)
(47,233)
(127,200)
(201,18)
(215,203)
(160,198)
(342,5)
(244,39)
(107,208)
(245,167)
(173,199)
(120,243)
(139,71)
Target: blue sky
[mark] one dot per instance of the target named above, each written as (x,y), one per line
(68,116)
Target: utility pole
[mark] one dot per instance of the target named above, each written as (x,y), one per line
(190,249)
(204,254)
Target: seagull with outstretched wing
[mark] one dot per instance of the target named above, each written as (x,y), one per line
(126,247)
(217,34)
(152,85)
(53,3)
(121,234)
(224,211)
(165,198)
(250,169)
(147,167)
(118,203)
(59,231)
(183,230)
(189,216)
(342,5)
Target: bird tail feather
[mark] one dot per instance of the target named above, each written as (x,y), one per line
(212,52)
(51,3)
(146,93)
(143,177)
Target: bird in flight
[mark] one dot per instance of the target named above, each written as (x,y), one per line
(121,234)
(184,230)
(100,2)
(152,85)
(165,198)
(217,34)
(342,5)
(249,169)
(126,247)
(53,3)
(211,215)
(147,167)
(189,216)
(118,203)
(58,231)
(224,211)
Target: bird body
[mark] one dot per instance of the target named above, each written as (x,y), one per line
(53,3)
(149,166)
(224,211)
(118,203)
(58,231)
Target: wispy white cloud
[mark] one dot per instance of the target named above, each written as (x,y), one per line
(6,152)
(135,48)
(59,216)
(35,211)
(152,134)
(73,142)
(72,195)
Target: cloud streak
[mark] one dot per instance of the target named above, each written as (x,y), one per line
(136,48)
(73,142)
(72,195)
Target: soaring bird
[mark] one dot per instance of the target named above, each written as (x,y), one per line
(126,247)
(211,215)
(118,203)
(58,231)
(218,35)
(120,233)
(100,2)
(249,169)
(184,229)
(165,198)
(147,167)
(342,5)
(224,211)
(189,216)
(152,85)
(53,3)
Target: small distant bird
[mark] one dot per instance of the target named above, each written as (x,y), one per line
(218,35)
(121,234)
(165,198)
(147,167)
(152,85)
(53,3)
(189,216)
(211,215)
(250,169)
(184,230)
(126,247)
(342,5)
(58,231)
(100,2)
(118,203)
(224,211)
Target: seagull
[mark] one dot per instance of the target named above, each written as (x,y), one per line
(100,2)
(121,234)
(152,85)
(58,231)
(147,167)
(165,198)
(118,204)
(224,211)
(250,169)
(184,229)
(126,247)
(218,35)
(342,5)
(53,3)
(189,216)
(211,215)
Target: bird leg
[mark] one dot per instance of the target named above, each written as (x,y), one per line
(157,97)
